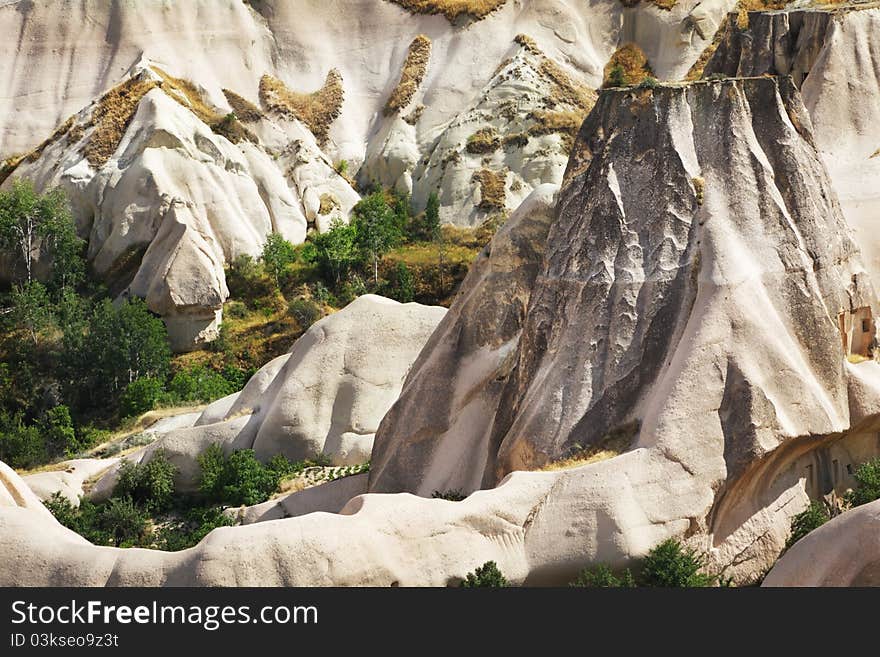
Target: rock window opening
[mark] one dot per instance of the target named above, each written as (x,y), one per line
(858,332)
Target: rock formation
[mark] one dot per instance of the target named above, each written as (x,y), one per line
(168,191)
(697,265)
(834,57)
(327,396)
(842,552)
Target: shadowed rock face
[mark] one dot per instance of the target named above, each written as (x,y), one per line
(833,56)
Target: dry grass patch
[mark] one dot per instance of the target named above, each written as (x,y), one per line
(565,123)
(412,75)
(452,9)
(328,204)
(566,90)
(615,443)
(244,109)
(628,66)
(484,140)
(699,189)
(111,116)
(188,95)
(492,193)
(660,4)
(9,165)
(317,110)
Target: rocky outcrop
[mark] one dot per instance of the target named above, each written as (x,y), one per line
(696,266)
(48,71)
(326,397)
(833,56)
(167,200)
(842,552)
(68,479)
(463,368)
(514,136)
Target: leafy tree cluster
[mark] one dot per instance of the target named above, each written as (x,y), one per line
(379,223)
(668,565)
(487,576)
(146,510)
(71,356)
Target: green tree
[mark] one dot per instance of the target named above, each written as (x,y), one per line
(32,224)
(336,250)
(671,565)
(867,487)
(150,483)
(58,432)
(486,576)
(278,255)
(32,309)
(121,344)
(432,218)
(376,229)
(21,446)
(806,521)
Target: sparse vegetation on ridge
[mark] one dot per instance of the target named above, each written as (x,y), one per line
(452,9)
(111,116)
(244,109)
(317,110)
(411,76)
(483,141)
(627,67)
(492,189)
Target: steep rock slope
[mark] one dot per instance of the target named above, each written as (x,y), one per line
(59,57)
(698,264)
(514,136)
(833,55)
(464,366)
(327,396)
(389,104)
(166,200)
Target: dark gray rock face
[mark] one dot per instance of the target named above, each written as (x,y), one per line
(833,56)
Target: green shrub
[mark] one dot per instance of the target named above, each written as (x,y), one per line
(454,495)
(199,384)
(151,483)
(402,285)
(123,522)
(486,576)
(193,527)
(601,576)
(867,487)
(670,565)
(649,82)
(235,310)
(305,311)
(141,396)
(21,446)
(806,521)
(119,521)
(237,479)
(616,76)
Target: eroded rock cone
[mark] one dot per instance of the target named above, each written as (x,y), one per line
(689,304)
(833,56)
